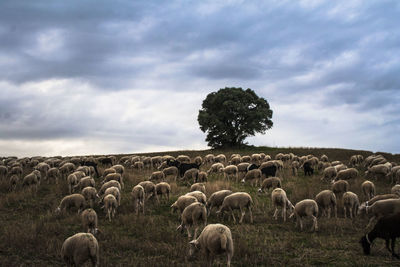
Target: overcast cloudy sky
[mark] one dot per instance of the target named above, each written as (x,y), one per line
(104,77)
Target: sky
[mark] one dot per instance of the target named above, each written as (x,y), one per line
(113,77)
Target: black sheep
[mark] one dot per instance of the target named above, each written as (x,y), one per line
(386,228)
(308,169)
(269,171)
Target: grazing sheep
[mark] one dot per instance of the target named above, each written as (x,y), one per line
(379,171)
(157,176)
(238,200)
(53,174)
(396,189)
(163,189)
(235,161)
(198,160)
(72,201)
(3,172)
(182,202)
(200,196)
(381,208)
(394,174)
(329,174)
(79,248)
(386,228)
(43,167)
(323,165)
(138,165)
(149,189)
(191,174)
(326,201)
(254,176)
(220,158)
(90,195)
(368,189)
(268,183)
(17,170)
(156,161)
(340,167)
(242,169)
(324,158)
(245,159)
(216,199)
(119,169)
(193,215)
(171,171)
(14,179)
(108,171)
(183,159)
(216,168)
(231,171)
(362,208)
(308,169)
(202,177)
(66,169)
(346,174)
(214,239)
(72,180)
(138,196)
(107,185)
(32,180)
(306,208)
(113,190)
(84,182)
(279,199)
(89,220)
(198,187)
(339,187)
(295,165)
(350,203)
(110,205)
(115,177)
(209,159)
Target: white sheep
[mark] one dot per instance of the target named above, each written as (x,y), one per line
(114,176)
(381,208)
(191,174)
(326,201)
(181,203)
(157,176)
(347,174)
(379,171)
(329,173)
(113,190)
(72,201)
(107,185)
(306,208)
(163,189)
(209,158)
(198,187)
(89,220)
(84,182)
(138,196)
(14,179)
(149,189)
(202,177)
(242,169)
(214,239)
(79,248)
(193,215)
(350,203)
(396,189)
(368,189)
(171,171)
(231,171)
(53,174)
(295,165)
(90,195)
(238,200)
(268,183)
(339,187)
(110,205)
(216,168)
(119,169)
(253,176)
(32,180)
(216,199)
(220,158)
(279,199)
(108,171)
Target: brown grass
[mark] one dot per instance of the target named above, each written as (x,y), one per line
(32,235)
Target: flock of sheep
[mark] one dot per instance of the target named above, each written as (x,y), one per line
(88,188)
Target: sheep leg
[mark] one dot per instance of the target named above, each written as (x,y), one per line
(109,214)
(329,212)
(188,232)
(351,212)
(251,214)
(344,210)
(393,244)
(284,213)
(242,212)
(276,214)
(195,232)
(315,223)
(228,261)
(233,215)
(142,204)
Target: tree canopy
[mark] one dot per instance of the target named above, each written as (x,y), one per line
(232,114)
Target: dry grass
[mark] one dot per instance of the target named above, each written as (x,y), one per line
(32,235)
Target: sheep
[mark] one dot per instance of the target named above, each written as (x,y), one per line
(268,171)
(90,195)
(157,176)
(329,174)
(346,174)
(32,180)
(43,167)
(138,196)
(72,180)
(220,158)
(201,177)
(79,248)
(182,202)
(350,203)
(198,187)
(14,179)
(183,158)
(368,189)
(107,185)
(200,196)
(110,205)
(66,169)
(149,189)
(340,167)
(238,200)
(108,171)
(394,174)
(279,199)
(208,159)
(324,158)
(89,220)
(339,187)
(114,176)
(3,171)
(396,189)
(386,228)
(156,161)
(308,169)
(323,165)
(306,208)
(256,158)
(242,169)
(79,174)
(377,171)
(376,198)
(326,201)
(191,174)
(163,189)
(53,173)
(84,169)
(198,160)
(235,161)
(231,171)
(381,208)
(268,183)
(171,171)
(72,201)
(84,182)
(216,199)
(113,190)
(246,158)
(215,168)
(214,239)
(254,176)
(193,215)
(295,165)
(138,165)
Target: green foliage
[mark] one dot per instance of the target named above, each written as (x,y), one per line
(232,114)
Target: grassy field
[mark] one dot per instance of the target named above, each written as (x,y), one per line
(32,235)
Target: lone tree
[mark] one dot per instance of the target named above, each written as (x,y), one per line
(232,114)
